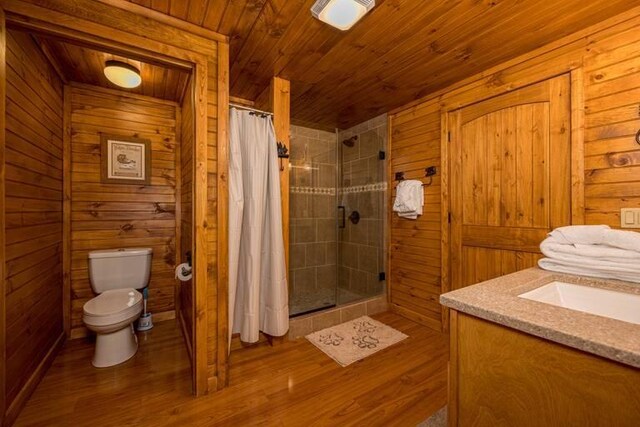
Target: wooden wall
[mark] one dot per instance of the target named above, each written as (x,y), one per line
(604,64)
(185,292)
(133,30)
(214,316)
(34,175)
(107,216)
(612,118)
(414,246)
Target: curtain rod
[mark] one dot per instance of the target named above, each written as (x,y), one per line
(244,107)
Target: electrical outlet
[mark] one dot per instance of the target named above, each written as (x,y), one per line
(630,218)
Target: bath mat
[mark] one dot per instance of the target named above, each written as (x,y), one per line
(439,419)
(354,340)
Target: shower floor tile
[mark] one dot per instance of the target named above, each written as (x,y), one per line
(319,299)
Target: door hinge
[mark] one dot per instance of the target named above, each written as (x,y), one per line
(382,155)
(382,276)
(449,217)
(449,136)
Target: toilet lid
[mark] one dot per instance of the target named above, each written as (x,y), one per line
(113,302)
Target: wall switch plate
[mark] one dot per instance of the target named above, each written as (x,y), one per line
(630,217)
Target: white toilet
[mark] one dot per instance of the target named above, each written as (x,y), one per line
(116,275)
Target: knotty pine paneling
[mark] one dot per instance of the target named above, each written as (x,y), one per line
(108,216)
(33,285)
(612,118)
(414,246)
(186,207)
(400,51)
(608,58)
(85,65)
(212,215)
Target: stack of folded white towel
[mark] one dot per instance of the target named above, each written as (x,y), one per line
(409,199)
(593,250)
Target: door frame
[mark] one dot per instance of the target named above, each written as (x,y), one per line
(577,205)
(140,33)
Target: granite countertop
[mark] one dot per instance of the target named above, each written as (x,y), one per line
(497,300)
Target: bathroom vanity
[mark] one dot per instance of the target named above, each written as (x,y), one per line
(520,357)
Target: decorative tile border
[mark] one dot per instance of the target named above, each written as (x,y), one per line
(331,191)
(326,191)
(378,186)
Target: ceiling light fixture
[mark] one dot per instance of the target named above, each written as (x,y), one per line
(122,74)
(342,14)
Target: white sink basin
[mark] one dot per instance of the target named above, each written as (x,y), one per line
(601,302)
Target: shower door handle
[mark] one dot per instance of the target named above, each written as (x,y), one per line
(343,222)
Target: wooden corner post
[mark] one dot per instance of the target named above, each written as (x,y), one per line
(280,102)
(280,105)
(3,79)
(200,258)
(222,368)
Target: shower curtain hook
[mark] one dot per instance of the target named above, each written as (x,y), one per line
(283,153)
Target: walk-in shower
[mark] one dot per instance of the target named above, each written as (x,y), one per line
(337,214)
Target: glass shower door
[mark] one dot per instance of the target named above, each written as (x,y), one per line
(313,219)
(362,188)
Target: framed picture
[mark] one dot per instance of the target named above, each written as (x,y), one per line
(125,160)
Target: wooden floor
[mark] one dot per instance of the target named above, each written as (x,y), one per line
(293,384)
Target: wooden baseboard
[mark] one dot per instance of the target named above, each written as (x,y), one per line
(212,384)
(237,343)
(78,332)
(82,332)
(29,387)
(416,317)
(164,316)
(276,341)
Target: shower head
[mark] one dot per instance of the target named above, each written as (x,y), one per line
(351,141)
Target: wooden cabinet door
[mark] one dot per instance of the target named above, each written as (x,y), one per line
(510,179)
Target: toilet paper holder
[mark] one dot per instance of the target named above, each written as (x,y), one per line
(184,271)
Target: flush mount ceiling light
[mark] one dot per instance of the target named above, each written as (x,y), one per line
(122,74)
(342,14)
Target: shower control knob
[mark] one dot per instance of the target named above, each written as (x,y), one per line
(354,217)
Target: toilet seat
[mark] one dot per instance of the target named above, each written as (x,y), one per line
(111,307)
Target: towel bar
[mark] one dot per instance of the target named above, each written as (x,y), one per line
(428,173)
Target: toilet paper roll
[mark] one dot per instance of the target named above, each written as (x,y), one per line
(183,272)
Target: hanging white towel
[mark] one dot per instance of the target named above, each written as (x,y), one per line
(409,199)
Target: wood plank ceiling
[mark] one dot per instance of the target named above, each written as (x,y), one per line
(86,65)
(402,50)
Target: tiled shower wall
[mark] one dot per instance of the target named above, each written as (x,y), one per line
(313,176)
(361,246)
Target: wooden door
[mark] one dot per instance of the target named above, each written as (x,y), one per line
(510,179)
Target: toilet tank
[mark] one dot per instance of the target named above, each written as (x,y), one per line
(119,268)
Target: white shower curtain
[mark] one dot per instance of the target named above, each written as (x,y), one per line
(258,299)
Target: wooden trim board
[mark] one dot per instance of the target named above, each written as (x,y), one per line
(112,25)
(66,211)
(200,256)
(280,105)
(3,83)
(167,20)
(222,350)
(21,399)
(178,207)
(445,212)
(577,146)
